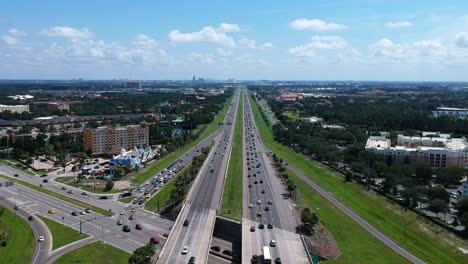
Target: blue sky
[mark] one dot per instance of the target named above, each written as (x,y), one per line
(295,40)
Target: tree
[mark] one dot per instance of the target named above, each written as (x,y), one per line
(450,175)
(424,172)
(109,186)
(438,192)
(438,206)
(142,255)
(463,205)
(348,176)
(309,220)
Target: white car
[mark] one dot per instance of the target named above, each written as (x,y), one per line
(250,205)
(133,210)
(41,239)
(185,250)
(259,202)
(122,212)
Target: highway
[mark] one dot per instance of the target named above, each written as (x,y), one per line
(194,227)
(348,211)
(268,213)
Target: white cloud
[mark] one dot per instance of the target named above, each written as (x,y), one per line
(144,41)
(226,28)
(17,33)
(251,43)
(223,52)
(398,24)
(67,32)
(319,43)
(461,40)
(9,40)
(201,58)
(207,34)
(315,25)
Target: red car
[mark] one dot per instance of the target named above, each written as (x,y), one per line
(252,229)
(154,240)
(138,227)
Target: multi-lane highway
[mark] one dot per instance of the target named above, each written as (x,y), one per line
(268,216)
(191,234)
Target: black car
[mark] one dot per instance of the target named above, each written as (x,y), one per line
(227,252)
(191,260)
(30,218)
(215,248)
(103,197)
(255,182)
(278,261)
(186,222)
(270,226)
(263,191)
(126,228)
(16,175)
(261,181)
(45,180)
(267,208)
(44,175)
(261,226)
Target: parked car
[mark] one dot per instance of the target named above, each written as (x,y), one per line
(138,227)
(155,240)
(215,248)
(126,228)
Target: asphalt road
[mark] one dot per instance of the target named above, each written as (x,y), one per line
(93,224)
(266,203)
(203,201)
(39,229)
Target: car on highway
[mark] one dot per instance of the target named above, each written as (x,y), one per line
(133,210)
(270,202)
(252,229)
(259,214)
(45,181)
(88,211)
(30,218)
(41,239)
(51,211)
(215,248)
(84,193)
(259,202)
(191,260)
(278,261)
(138,227)
(64,188)
(261,226)
(270,226)
(273,243)
(148,196)
(254,259)
(16,175)
(103,198)
(75,213)
(263,191)
(186,222)
(119,222)
(185,250)
(267,208)
(126,228)
(70,191)
(82,212)
(250,205)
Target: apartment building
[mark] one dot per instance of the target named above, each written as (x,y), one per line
(14,108)
(436,150)
(110,140)
(450,111)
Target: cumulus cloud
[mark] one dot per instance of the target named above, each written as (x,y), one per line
(17,33)
(461,40)
(315,25)
(223,52)
(9,40)
(319,43)
(67,32)
(207,34)
(251,43)
(398,24)
(144,41)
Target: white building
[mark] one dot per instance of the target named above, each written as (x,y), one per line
(21,97)
(450,111)
(312,119)
(437,152)
(14,108)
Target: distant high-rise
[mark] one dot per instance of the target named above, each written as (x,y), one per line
(194,78)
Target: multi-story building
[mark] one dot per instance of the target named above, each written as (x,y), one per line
(110,140)
(450,111)
(291,97)
(14,108)
(438,151)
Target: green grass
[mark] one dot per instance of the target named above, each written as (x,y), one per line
(430,243)
(356,244)
(20,240)
(294,116)
(157,166)
(95,253)
(231,204)
(59,196)
(127,199)
(17,165)
(101,184)
(61,235)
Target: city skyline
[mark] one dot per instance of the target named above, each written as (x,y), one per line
(298,40)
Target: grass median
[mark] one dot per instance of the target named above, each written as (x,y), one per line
(61,235)
(96,252)
(20,240)
(59,196)
(431,243)
(157,166)
(231,204)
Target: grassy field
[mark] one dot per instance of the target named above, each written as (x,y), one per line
(83,185)
(17,165)
(426,241)
(294,116)
(157,166)
(231,204)
(59,196)
(356,244)
(127,199)
(95,253)
(61,235)
(20,240)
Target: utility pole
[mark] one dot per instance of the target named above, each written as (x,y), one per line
(80,226)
